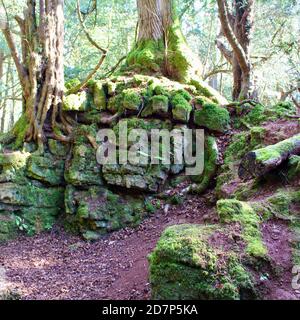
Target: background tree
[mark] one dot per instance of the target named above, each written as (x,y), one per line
(40,67)
(237,27)
(160,45)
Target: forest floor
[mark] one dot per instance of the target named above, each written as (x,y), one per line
(57,265)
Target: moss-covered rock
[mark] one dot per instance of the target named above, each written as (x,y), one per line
(57,148)
(131,100)
(211,157)
(8,227)
(28,207)
(46,169)
(83,169)
(227,180)
(212,117)
(242,212)
(147,178)
(30,195)
(261,161)
(185,265)
(100,99)
(260,113)
(96,211)
(158,105)
(181,108)
(294,168)
(76,102)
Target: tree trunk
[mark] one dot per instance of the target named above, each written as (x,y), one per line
(237,27)
(161,47)
(41,69)
(259,162)
(6,93)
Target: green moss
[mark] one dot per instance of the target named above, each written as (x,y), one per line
(57,148)
(147,56)
(19,130)
(100,211)
(294,167)
(158,105)
(212,117)
(8,227)
(75,102)
(242,212)
(131,100)
(241,144)
(100,100)
(181,109)
(259,113)
(211,157)
(83,168)
(73,83)
(205,90)
(115,104)
(276,151)
(283,204)
(46,169)
(184,265)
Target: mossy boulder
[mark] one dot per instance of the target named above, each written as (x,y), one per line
(232,211)
(100,99)
(186,265)
(83,169)
(212,117)
(147,178)
(8,227)
(58,149)
(158,105)
(30,208)
(76,102)
(46,169)
(97,211)
(131,100)
(211,158)
(260,113)
(13,160)
(294,167)
(30,195)
(181,107)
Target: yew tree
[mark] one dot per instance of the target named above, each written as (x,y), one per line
(40,69)
(237,26)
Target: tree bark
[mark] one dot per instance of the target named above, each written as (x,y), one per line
(41,68)
(259,162)
(161,47)
(237,28)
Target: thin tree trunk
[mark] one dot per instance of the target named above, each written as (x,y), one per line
(6,93)
(237,28)
(41,68)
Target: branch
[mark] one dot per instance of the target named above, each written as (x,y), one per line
(228,55)
(13,50)
(93,42)
(113,69)
(229,34)
(216,71)
(103,51)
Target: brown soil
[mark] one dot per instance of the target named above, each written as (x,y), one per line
(57,265)
(280,130)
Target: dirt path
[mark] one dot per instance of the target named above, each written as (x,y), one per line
(60,266)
